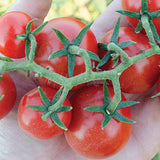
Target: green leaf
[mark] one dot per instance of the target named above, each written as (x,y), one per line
(105,59)
(57,121)
(65,41)
(39,28)
(99,109)
(38,108)
(71,64)
(1,97)
(139,27)
(125,44)
(156,157)
(130,14)
(124,104)
(93,56)
(64,109)
(154,31)
(28,27)
(59,53)
(27,48)
(115,34)
(44,97)
(158,94)
(106,120)
(144,6)
(121,118)
(77,41)
(7,59)
(103,46)
(154,15)
(116,60)
(57,95)
(107,99)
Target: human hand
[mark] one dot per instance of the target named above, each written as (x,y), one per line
(15,144)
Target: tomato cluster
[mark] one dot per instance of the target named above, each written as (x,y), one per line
(84,131)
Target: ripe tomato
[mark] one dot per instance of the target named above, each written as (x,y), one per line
(48,42)
(30,120)
(85,134)
(142,75)
(12,24)
(8,92)
(135,6)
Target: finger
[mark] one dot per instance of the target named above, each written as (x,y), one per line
(34,8)
(107,20)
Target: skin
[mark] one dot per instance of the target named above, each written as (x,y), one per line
(144,141)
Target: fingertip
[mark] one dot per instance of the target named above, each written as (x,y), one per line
(108,19)
(34,8)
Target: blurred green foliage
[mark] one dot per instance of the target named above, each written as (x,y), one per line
(86,10)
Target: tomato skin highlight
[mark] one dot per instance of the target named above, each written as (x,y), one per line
(12,24)
(135,6)
(85,134)
(136,78)
(48,42)
(8,89)
(30,120)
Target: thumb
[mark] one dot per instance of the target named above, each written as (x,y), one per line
(34,8)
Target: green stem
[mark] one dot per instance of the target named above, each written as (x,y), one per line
(113,46)
(58,104)
(146,25)
(117,95)
(32,53)
(60,101)
(32,66)
(68,83)
(73,49)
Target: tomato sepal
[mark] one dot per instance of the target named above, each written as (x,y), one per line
(144,12)
(67,43)
(106,113)
(47,104)
(110,53)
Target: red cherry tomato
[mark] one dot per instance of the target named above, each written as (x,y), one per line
(137,78)
(85,134)
(30,120)
(135,6)
(12,24)
(48,43)
(8,92)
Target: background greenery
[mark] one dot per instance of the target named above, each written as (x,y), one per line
(86,10)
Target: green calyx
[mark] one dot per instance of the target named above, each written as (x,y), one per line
(66,51)
(1,97)
(144,13)
(29,37)
(107,115)
(48,104)
(110,53)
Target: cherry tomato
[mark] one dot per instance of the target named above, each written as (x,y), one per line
(12,24)
(85,134)
(48,43)
(30,120)
(135,6)
(142,75)
(7,93)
